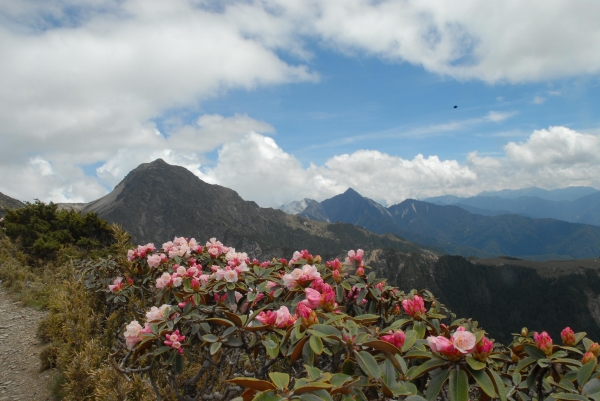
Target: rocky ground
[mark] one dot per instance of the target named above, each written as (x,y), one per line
(20,376)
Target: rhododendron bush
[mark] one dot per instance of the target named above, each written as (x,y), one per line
(208,322)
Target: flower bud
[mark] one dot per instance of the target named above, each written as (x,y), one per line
(524,332)
(483,349)
(543,342)
(568,337)
(594,349)
(588,356)
(360,271)
(308,316)
(337,276)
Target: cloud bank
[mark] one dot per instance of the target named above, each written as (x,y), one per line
(88,85)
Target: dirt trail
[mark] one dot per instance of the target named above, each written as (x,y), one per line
(20,378)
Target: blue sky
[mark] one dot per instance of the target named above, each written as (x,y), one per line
(282,100)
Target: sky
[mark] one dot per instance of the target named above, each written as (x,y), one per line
(282,100)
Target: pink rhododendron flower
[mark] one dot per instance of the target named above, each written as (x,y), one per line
(117,285)
(281,318)
(395,338)
(154,260)
(230,276)
(414,307)
(132,334)
(163,281)
(131,255)
(483,349)
(568,337)
(195,284)
(290,279)
(543,342)
(313,298)
(464,341)
(444,346)
(215,248)
(302,255)
(308,316)
(156,314)
(174,341)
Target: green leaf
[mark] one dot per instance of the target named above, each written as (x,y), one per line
(309,397)
(523,363)
(215,347)
(313,372)
(388,373)
(420,328)
(579,336)
(325,329)
(585,372)
(316,345)
(591,387)
(431,364)
(484,381)
(415,398)
(474,364)
(534,351)
(281,380)
(210,338)
(178,364)
(411,338)
(436,383)
(459,385)
(499,385)
(569,397)
(267,396)
(323,394)
(368,364)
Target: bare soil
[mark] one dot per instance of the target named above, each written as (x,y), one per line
(20,376)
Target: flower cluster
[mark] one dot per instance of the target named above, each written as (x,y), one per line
(355,259)
(216,248)
(133,333)
(118,284)
(461,343)
(300,277)
(281,318)
(174,341)
(140,252)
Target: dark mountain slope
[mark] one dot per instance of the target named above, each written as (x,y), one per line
(6,202)
(502,298)
(157,201)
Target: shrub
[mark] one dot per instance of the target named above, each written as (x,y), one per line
(205,322)
(41,229)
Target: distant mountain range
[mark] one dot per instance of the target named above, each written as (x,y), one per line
(157,201)
(574,204)
(6,202)
(459,231)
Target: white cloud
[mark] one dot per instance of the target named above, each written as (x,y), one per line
(552,158)
(538,100)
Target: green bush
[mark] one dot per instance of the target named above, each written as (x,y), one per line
(42,229)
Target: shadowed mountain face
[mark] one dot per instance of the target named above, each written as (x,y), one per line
(6,202)
(157,201)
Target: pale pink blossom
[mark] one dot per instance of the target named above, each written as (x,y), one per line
(313,298)
(132,334)
(464,341)
(154,260)
(231,276)
(155,314)
(117,285)
(131,255)
(204,278)
(163,281)
(177,280)
(396,338)
(280,318)
(440,344)
(180,270)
